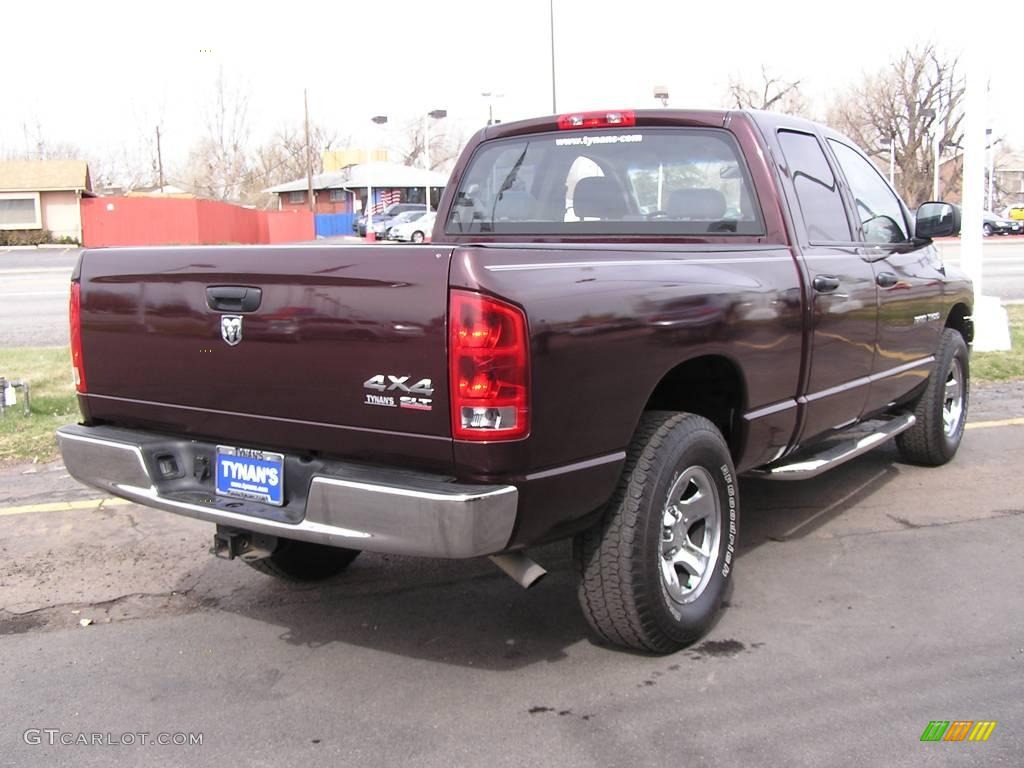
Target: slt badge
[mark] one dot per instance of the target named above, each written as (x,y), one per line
(231,329)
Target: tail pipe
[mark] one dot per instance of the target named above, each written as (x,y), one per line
(521,569)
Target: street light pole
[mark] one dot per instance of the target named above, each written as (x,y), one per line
(930,115)
(370,235)
(991,165)
(554,100)
(436,114)
(890,142)
(489,95)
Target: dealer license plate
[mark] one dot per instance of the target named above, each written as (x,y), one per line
(249,474)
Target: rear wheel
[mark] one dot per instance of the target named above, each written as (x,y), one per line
(653,572)
(417,237)
(986,230)
(941,412)
(304,561)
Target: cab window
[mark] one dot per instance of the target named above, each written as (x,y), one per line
(878,208)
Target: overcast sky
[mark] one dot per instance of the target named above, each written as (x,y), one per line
(99,74)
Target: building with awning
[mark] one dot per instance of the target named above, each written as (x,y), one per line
(347,190)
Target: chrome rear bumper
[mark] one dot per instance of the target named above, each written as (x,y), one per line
(333,503)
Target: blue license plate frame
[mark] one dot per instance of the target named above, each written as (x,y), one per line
(250,474)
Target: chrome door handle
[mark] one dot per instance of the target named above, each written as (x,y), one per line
(825,283)
(886,279)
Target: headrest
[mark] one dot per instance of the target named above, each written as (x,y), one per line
(598,197)
(698,203)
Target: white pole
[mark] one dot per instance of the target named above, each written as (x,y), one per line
(892,162)
(426,152)
(991,326)
(935,179)
(991,167)
(369,213)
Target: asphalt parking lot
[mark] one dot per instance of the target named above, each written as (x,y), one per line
(867,603)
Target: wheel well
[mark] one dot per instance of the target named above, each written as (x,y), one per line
(959,319)
(711,386)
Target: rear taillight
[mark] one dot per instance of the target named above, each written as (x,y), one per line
(75,317)
(621,118)
(489,373)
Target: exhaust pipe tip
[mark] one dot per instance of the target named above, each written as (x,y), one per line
(520,568)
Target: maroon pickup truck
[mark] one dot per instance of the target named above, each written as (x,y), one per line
(619,314)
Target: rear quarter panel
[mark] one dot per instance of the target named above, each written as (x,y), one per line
(608,323)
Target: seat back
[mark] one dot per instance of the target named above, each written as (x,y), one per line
(598,197)
(698,203)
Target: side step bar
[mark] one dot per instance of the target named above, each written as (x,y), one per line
(838,451)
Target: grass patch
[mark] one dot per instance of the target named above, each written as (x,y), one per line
(48,373)
(1003,366)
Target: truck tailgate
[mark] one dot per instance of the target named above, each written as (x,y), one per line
(345,355)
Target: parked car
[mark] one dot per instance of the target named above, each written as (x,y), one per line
(382,219)
(415,231)
(1014,212)
(400,219)
(533,376)
(997,225)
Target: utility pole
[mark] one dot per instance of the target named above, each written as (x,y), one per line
(554,100)
(309,155)
(159,161)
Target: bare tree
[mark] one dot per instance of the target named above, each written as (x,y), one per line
(283,157)
(771,93)
(219,162)
(38,146)
(445,144)
(914,101)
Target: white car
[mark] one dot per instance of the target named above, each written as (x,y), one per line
(402,218)
(417,231)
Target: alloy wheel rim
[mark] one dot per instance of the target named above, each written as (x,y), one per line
(953,398)
(691,529)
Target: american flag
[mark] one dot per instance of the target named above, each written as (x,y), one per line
(385,197)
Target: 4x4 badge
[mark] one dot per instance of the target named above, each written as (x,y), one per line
(231,329)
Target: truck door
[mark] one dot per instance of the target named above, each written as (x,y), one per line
(908,276)
(841,289)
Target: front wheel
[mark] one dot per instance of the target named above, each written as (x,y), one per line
(986,230)
(652,573)
(941,412)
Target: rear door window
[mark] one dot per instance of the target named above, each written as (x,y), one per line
(633,181)
(816,188)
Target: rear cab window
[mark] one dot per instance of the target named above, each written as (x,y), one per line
(817,189)
(622,181)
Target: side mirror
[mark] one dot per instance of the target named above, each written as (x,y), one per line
(936,220)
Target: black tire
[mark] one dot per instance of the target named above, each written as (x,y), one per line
(621,562)
(933,440)
(302,561)
(417,237)
(986,230)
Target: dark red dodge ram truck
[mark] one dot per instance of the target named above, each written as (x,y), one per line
(620,313)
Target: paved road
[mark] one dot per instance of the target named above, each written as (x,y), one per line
(34,293)
(34,296)
(867,603)
(1003,266)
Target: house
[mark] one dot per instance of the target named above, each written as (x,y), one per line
(44,195)
(346,191)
